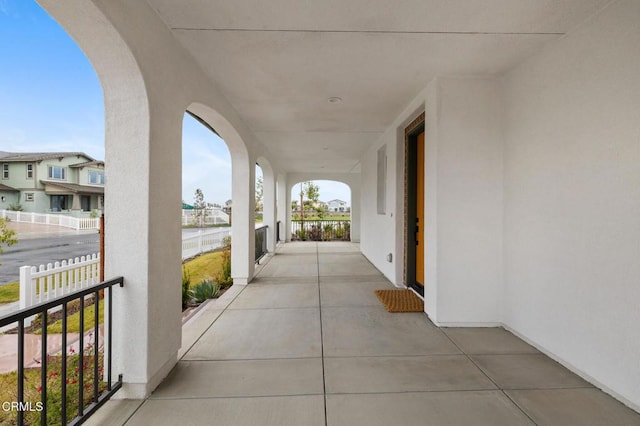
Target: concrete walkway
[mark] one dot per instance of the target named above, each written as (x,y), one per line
(309,344)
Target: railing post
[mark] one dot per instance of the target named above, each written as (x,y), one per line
(26,286)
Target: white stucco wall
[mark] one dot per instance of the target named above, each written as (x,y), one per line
(463,201)
(572,200)
(463,148)
(378,233)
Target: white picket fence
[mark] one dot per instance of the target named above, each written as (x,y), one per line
(78,223)
(43,283)
(55,280)
(203,242)
(213,216)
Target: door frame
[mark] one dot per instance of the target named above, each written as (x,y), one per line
(411,133)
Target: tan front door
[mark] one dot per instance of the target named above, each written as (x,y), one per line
(420,241)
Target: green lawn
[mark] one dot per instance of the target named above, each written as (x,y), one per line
(73,321)
(10,292)
(204,267)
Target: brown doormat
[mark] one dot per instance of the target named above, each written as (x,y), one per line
(400,300)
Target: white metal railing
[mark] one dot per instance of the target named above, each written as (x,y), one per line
(78,223)
(41,284)
(203,242)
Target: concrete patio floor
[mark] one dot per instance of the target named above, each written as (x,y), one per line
(308,343)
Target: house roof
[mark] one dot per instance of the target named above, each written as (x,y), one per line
(75,188)
(88,163)
(7,188)
(38,156)
(336,201)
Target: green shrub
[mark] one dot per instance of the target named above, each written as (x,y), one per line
(16,207)
(315,233)
(186,283)
(207,289)
(224,276)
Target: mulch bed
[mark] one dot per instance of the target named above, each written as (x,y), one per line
(36,324)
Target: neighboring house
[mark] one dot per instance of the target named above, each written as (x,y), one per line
(228,205)
(70,182)
(337,206)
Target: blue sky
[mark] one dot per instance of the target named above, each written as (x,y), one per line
(51,100)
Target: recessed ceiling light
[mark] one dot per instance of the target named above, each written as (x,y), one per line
(334,100)
(325,148)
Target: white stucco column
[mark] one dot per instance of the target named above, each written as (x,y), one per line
(143,238)
(243,220)
(281,202)
(287,227)
(269,207)
(355,211)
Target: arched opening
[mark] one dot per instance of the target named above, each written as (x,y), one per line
(320,211)
(52,103)
(205,214)
(240,206)
(259,195)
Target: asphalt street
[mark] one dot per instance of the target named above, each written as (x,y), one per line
(40,251)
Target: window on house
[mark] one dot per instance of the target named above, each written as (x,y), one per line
(29,196)
(57,172)
(29,171)
(58,203)
(5,171)
(96,177)
(382,180)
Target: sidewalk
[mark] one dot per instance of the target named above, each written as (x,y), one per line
(26,231)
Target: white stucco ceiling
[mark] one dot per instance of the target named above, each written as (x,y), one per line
(278,62)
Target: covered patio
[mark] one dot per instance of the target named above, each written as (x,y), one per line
(310,344)
(491,149)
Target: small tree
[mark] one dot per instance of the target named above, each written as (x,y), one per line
(312,192)
(200,207)
(321,210)
(224,276)
(259,193)
(7,236)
